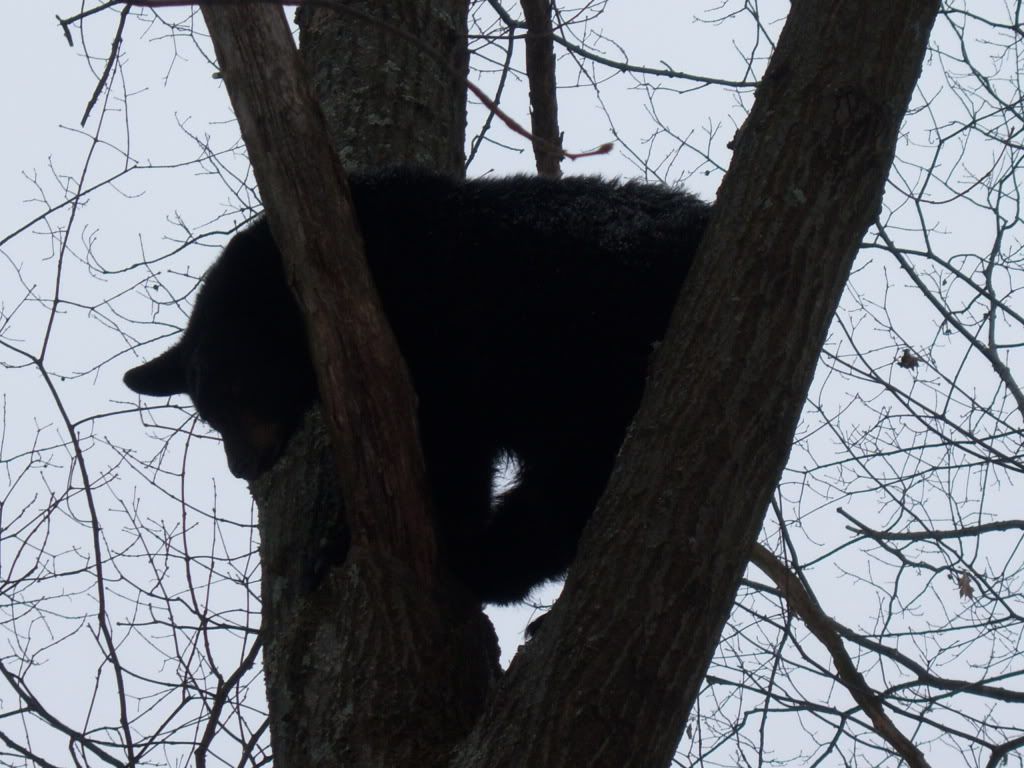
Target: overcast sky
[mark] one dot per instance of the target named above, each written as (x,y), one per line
(165,103)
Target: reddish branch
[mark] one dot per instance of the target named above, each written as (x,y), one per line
(552,147)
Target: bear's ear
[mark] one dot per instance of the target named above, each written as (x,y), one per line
(164,375)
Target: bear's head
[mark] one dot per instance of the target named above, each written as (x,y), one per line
(243,358)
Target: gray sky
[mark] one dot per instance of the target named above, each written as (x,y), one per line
(165,104)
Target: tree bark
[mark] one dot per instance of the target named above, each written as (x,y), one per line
(359,654)
(368,668)
(540,71)
(618,663)
(364,386)
(387,101)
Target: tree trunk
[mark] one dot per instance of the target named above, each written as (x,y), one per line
(540,71)
(390,100)
(618,663)
(365,668)
(373,662)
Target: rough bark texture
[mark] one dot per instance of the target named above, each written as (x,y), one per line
(618,663)
(310,213)
(372,663)
(364,669)
(540,71)
(388,100)
(366,666)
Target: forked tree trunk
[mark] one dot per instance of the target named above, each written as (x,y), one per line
(364,669)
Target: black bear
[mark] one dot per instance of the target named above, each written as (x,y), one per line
(527,310)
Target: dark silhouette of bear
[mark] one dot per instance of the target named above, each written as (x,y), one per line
(527,310)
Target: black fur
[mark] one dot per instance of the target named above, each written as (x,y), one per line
(527,310)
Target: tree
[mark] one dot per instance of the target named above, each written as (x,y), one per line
(765,242)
